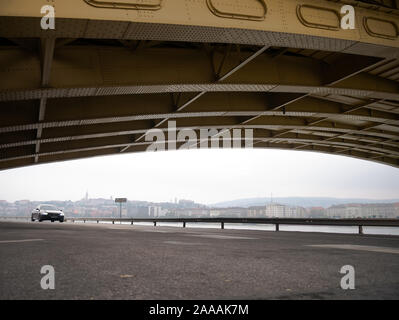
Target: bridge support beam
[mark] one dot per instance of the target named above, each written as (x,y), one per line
(47,55)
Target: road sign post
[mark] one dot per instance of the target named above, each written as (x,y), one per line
(120,201)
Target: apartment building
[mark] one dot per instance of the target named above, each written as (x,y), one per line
(373,210)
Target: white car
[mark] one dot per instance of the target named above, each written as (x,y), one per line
(47,212)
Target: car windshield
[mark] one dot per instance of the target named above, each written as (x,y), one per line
(48,207)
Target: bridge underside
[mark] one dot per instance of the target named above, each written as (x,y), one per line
(95,85)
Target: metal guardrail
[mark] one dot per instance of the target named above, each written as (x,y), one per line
(360,223)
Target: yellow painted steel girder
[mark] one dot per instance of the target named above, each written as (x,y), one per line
(110,71)
(290,23)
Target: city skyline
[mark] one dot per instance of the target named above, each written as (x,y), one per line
(97,208)
(248,202)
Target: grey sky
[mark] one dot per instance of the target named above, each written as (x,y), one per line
(206,176)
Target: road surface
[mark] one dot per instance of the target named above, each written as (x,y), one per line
(105,261)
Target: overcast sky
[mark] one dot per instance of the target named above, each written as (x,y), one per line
(206,176)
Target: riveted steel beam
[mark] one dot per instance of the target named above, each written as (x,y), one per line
(47,54)
(220,79)
(286,23)
(92,71)
(26,159)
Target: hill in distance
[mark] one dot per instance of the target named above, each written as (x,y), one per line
(297,201)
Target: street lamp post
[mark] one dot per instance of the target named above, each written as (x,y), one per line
(120,201)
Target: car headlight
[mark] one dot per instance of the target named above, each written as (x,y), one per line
(61,214)
(44,213)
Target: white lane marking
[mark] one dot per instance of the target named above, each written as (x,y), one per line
(154,230)
(357,247)
(215,236)
(16,241)
(184,243)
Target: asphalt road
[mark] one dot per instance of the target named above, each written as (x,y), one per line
(108,261)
